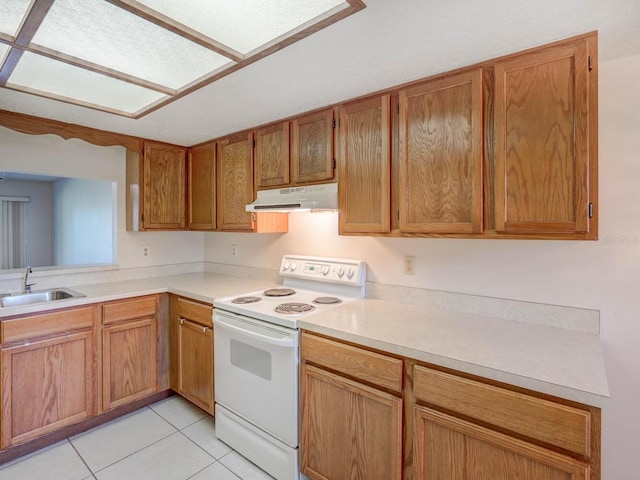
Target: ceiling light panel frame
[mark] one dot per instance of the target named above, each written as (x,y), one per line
(146,28)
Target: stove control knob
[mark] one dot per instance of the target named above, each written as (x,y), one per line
(285,266)
(294,265)
(340,272)
(325,270)
(350,273)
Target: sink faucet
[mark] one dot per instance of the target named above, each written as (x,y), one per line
(27,286)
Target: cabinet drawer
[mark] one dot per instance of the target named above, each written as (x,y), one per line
(129,309)
(196,312)
(356,362)
(45,324)
(560,425)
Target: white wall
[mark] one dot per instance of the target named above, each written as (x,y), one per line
(84,228)
(51,155)
(603,275)
(39,227)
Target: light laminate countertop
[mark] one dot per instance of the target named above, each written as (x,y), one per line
(555,361)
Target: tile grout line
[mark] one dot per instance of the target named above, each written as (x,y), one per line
(143,448)
(81,458)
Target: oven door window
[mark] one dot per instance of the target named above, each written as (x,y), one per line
(250,359)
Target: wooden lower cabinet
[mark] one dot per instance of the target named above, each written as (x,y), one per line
(369,415)
(129,350)
(130,361)
(192,351)
(46,385)
(447,448)
(349,430)
(351,419)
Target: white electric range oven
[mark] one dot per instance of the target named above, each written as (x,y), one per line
(256,357)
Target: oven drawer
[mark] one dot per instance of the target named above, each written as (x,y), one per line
(356,362)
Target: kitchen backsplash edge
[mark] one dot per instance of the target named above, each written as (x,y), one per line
(557,316)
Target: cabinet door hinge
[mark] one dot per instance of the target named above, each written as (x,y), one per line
(333,123)
(334,164)
(253,143)
(590,63)
(590,210)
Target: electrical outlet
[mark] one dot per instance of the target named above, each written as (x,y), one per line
(146,252)
(409,265)
(234,250)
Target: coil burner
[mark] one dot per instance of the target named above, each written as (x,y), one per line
(279,292)
(293,308)
(245,300)
(327,300)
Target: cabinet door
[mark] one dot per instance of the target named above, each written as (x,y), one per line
(312,147)
(195,364)
(164,171)
(349,430)
(543,121)
(447,448)
(440,151)
(46,385)
(365,166)
(202,187)
(130,362)
(235,182)
(272,156)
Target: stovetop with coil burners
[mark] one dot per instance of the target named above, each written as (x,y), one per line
(310,285)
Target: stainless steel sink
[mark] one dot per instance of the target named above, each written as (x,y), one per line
(38,296)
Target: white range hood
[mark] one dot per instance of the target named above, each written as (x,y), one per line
(297,199)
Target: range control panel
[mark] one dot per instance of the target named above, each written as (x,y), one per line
(331,270)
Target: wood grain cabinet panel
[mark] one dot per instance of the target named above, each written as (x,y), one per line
(202,187)
(272,156)
(235,182)
(192,351)
(447,448)
(129,350)
(312,147)
(130,361)
(356,362)
(559,425)
(46,385)
(195,380)
(546,124)
(440,155)
(349,430)
(365,166)
(164,187)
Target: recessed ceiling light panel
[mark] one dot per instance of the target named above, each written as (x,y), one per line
(38,74)
(12,13)
(103,34)
(245,25)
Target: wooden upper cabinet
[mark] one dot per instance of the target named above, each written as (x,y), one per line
(272,156)
(202,187)
(546,134)
(312,147)
(365,166)
(440,155)
(235,182)
(164,176)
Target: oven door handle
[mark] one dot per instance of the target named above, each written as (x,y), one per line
(285,341)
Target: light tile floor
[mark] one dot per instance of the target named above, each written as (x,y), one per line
(169,440)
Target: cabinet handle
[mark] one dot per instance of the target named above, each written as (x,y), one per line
(204,329)
(182,321)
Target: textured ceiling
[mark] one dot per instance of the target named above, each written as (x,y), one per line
(388,43)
